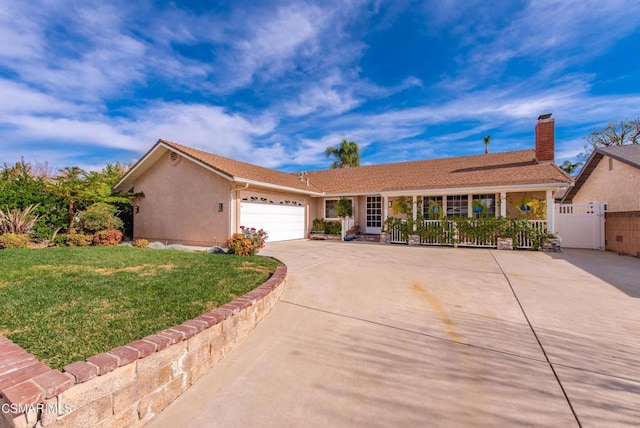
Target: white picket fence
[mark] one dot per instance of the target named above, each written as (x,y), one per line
(448,233)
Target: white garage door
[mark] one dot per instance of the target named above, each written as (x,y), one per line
(281,222)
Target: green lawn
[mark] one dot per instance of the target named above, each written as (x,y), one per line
(66,304)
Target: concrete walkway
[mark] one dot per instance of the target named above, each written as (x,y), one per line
(373,335)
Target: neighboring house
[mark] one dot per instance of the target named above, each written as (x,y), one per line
(198,198)
(612,175)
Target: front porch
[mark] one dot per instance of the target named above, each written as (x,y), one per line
(471,219)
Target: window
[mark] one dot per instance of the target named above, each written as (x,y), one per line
(432,207)
(610,164)
(483,205)
(330,208)
(458,206)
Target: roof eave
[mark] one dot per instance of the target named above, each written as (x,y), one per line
(458,190)
(277,187)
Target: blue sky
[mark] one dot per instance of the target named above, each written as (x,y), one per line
(275,82)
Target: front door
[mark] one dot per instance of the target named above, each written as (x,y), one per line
(374,214)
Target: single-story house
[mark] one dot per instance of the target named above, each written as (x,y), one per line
(612,175)
(197,198)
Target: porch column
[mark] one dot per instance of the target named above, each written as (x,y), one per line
(414,210)
(551,210)
(385,208)
(503,204)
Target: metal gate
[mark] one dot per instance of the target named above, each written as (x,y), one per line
(581,225)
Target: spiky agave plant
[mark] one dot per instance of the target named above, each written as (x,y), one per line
(18,221)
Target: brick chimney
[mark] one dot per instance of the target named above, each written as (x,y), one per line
(545,138)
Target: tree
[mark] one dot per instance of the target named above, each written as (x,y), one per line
(70,184)
(614,134)
(346,154)
(569,167)
(487,140)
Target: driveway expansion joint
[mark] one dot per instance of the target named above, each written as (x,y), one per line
(544,352)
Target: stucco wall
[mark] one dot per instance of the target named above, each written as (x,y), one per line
(181,204)
(618,187)
(514,199)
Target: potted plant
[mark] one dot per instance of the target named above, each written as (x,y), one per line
(402,205)
(478,206)
(433,210)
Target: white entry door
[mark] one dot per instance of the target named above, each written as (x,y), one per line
(281,222)
(374,214)
(581,225)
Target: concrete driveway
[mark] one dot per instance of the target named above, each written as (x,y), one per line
(373,335)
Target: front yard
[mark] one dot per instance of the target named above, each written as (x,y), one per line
(66,304)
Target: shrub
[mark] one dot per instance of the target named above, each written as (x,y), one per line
(14,240)
(240,245)
(107,238)
(333,227)
(76,239)
(344,208)
(60,240)
(248,242)
(141,243)
(318,225)
(18,221)
(100,216)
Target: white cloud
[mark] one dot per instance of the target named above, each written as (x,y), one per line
(207,127)
(19,98)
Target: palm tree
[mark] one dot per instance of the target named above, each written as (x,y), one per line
(487,140)
(569,166)
(346,154)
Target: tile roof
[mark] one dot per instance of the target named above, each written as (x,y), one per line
(244,170)
(496,169)
(488,170)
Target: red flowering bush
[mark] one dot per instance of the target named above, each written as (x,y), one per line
(248,242)
(106,238)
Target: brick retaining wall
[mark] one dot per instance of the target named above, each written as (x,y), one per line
(622,232)
(128,385)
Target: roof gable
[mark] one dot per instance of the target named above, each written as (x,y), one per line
(629,154)
(230,169)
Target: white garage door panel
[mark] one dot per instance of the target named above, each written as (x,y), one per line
(281,222)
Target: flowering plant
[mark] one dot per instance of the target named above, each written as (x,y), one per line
(248,242)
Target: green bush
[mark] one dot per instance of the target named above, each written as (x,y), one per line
(344,208)
(333,227)
(14,240)
(107,238)
(318,225)
(100,216)
(60,240)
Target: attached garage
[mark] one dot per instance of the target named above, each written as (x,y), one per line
(281,219)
